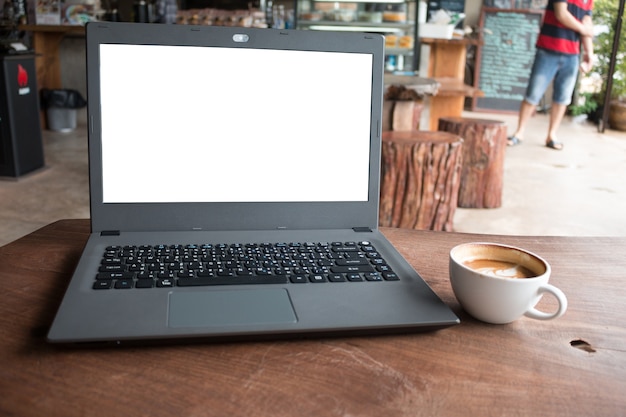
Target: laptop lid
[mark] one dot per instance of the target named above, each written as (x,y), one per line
(204,128)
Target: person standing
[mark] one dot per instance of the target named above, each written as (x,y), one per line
(566,25)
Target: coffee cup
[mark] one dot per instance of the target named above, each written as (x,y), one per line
(499,284)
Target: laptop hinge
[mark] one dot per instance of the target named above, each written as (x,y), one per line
(110,233)
(362,229)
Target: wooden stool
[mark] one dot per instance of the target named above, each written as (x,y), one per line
(484,144)
(402,115)
(420,179)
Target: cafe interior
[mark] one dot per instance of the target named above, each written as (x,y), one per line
(446,67)
(445,86)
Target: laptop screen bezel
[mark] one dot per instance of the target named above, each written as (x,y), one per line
(224,215)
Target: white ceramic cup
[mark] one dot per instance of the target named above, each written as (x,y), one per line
(493,296)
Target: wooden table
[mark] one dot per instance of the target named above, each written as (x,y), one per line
(446,64)
(528,368)
(449,100)
(447,57)
(444,96)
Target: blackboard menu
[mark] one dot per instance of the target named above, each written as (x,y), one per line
(505,58)
(449,5)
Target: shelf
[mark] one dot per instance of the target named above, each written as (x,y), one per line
(356,26)
(363,1)
(392,17)
(452,87)
(453,41)
(61,29)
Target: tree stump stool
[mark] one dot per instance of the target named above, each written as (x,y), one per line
(402,115)
(484,144)
(420,179)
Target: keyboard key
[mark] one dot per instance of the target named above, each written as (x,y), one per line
(103,284)
(354,277)
(144,283)
(336,278)
(114,275)
(358,261)
(111,268)
(122,284)
(373,276)
(356,268)
(391,276)
(165,282)
(345,248)
(317,278)
(298,279)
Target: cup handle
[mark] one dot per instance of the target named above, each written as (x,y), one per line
(558,294)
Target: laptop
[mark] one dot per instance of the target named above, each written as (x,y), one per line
(234,190)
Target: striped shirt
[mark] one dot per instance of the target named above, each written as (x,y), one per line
(556,37)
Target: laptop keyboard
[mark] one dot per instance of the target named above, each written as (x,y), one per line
(163,266)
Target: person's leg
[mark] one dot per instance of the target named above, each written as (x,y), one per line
(564,84)
(557,112)
(526,110)
(542,73)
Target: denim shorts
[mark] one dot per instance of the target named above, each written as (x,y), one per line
(563,68)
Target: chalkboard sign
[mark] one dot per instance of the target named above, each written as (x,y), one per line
(505,58)
(449,5)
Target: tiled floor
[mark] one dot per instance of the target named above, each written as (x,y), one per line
(580,191)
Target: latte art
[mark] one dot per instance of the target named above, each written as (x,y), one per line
(499,269)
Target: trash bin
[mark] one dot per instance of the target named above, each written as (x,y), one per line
(61,108)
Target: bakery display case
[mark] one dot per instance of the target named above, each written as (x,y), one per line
(395,19)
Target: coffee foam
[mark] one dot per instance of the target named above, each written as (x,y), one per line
(512,272)
(499,269)
(492,251)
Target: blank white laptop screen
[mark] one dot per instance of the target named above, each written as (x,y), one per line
(204,124)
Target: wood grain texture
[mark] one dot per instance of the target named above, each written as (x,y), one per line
(420,179)
(482,174)
(527,368)
(401,115)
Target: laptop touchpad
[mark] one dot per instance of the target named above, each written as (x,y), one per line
(230,308)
